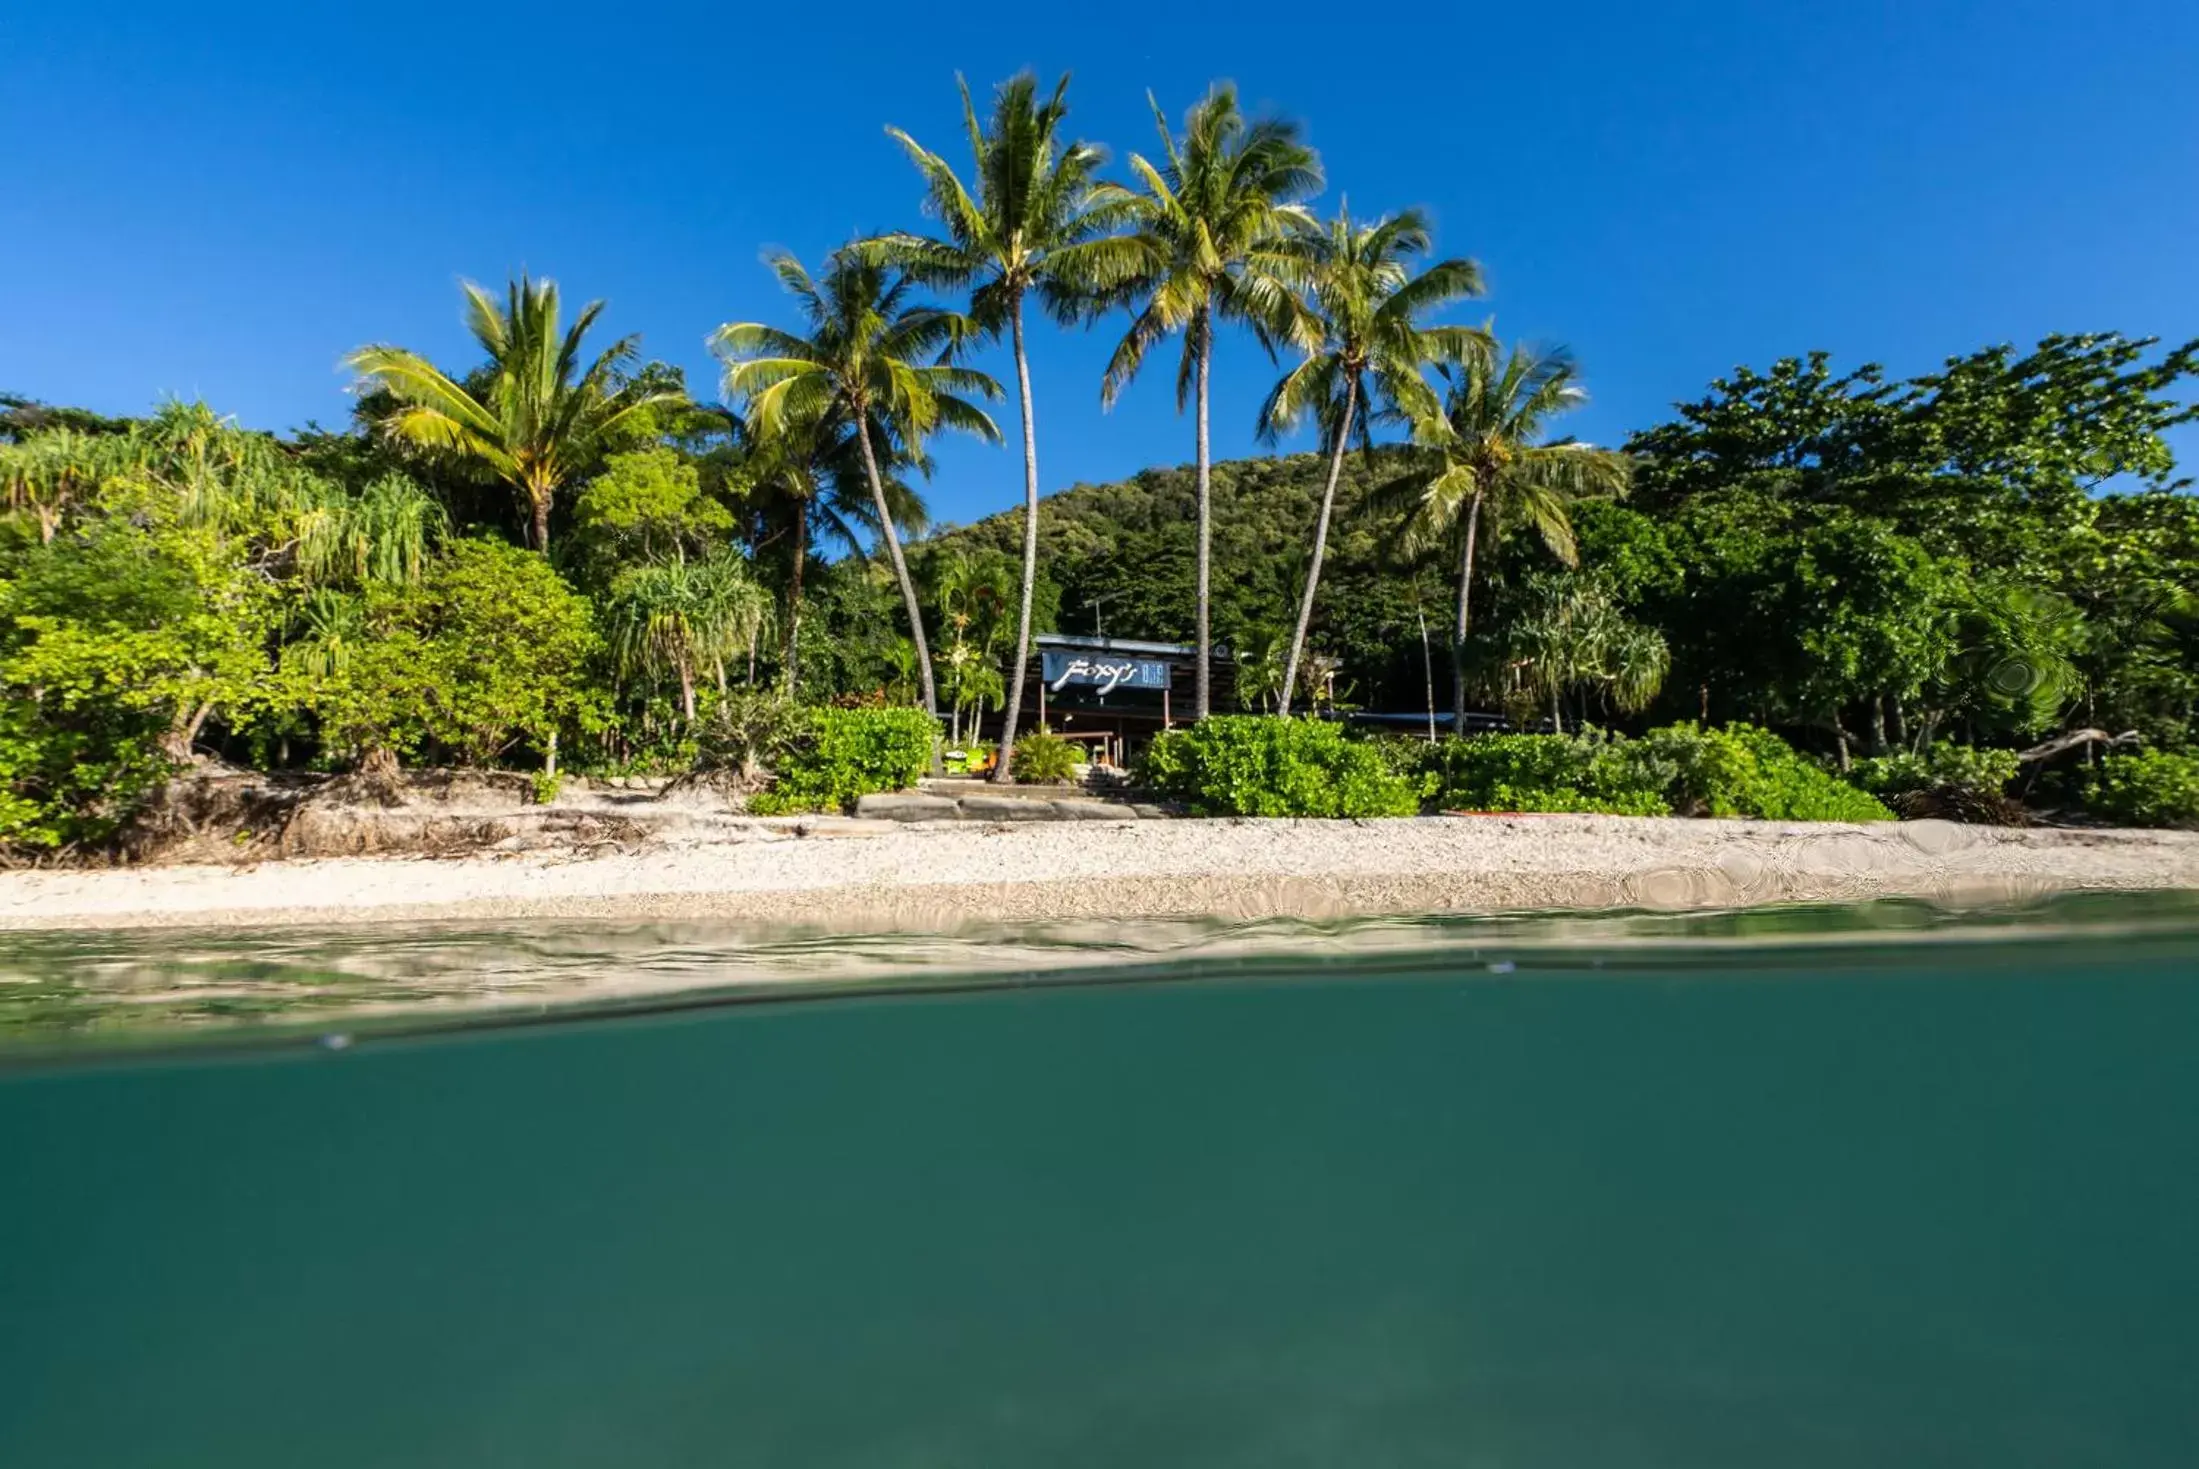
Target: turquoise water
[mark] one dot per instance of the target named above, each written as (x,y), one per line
(1714,1193)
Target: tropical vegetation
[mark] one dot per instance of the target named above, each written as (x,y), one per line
(1813,592)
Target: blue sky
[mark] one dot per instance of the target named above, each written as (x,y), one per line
(220,201)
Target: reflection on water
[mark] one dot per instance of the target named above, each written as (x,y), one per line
(62,991)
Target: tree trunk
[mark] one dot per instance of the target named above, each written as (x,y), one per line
(687,693)
(1901,721)
(1427,664)
(1557,717)
(1840,743)
(538,501)
(1320,541)
(892,539)
(1003,773)
(1202,339)
(794,595)
(1465,619)
(1878,725)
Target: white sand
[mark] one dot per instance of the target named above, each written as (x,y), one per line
(871,876)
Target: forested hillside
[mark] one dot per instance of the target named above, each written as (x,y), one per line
(1985,553)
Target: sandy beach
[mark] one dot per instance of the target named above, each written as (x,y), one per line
(876,876)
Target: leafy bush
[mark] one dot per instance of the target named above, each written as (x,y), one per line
(836,755)
(1741,770)
(1946,764)
(2150,788)
(1267,765)
(739,732)
(1045,757)
(491,650)
(1949,781)
(1526,772)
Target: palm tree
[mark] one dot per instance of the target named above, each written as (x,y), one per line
(384,533)
(1040,223)
(1207,226)
(1495,468)
(1573,633)
(861,359)
(534,418)
(677,618)
(804,485)
(1365,303)
(973,597)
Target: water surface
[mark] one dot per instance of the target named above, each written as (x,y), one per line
(1867,1189)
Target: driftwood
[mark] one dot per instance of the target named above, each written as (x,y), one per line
(2074,738)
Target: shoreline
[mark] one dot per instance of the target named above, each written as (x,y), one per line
(837,874)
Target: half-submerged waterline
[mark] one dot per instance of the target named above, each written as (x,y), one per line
(1802,1187)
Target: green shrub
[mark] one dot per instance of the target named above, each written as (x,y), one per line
(1045,757)
(2150,788)
(544,785)
(839,754)
(1960,767)
(1530,772)
(1268,765)
(1741,770)
(740,731)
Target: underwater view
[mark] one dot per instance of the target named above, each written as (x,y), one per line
(1798,1187)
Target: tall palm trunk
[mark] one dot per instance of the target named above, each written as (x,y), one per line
(794,593)
(900,563)
(1465,619)
(687,692)
(1320,540)
(1203,346)
(538,505)
(1005,774)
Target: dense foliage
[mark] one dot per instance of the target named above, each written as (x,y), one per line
(1539,773)
(1250,765)
(1043,757)
(1958,590)
(837,755)
(1680,769)
(2155,788)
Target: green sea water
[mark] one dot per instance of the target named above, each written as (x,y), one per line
(1822,1189)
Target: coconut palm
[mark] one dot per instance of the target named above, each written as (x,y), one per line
(1207,226)
(678,618)
(1493,472)
(535,418)
(862,358)
(804,486)
(1039,224)
(1365,301)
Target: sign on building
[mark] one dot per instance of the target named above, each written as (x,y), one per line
(1101,673)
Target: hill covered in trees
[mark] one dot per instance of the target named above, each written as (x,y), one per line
(1989,553)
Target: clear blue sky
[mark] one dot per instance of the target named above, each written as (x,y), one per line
(219,202)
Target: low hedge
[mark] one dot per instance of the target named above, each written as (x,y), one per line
(1265,765)
(1528,772)
(834,756)
(1741,770)
(1737,770)
(2150,788)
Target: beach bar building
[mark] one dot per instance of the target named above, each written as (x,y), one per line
(1114,694)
